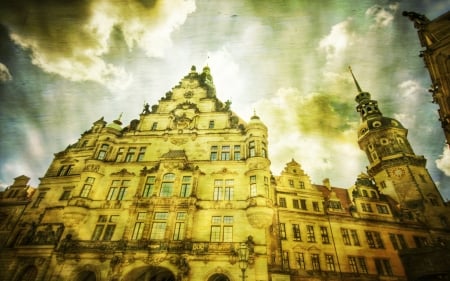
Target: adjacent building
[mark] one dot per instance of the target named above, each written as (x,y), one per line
(434,36)
(185,192)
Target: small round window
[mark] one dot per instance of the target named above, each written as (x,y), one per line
(376,124)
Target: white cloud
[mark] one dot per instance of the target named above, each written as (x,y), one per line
(411,89)
(382,16)
(5,75)
(443,162)
(338,40)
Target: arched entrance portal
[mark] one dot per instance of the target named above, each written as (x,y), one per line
(218,277)
(86,275)
(152,273)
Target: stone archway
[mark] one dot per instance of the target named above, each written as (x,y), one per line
(150,273)
(218,277)
(28,274)
(86,275)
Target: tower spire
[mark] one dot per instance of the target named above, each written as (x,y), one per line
(354,79)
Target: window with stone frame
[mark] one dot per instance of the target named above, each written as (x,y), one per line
(186,186)
(139,226)
(87,186)
(159,225)
(180,226)
(104,229)
(149,187)
(167,185)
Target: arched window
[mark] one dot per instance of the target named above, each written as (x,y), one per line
(167,185)
(218,277)
(28,274)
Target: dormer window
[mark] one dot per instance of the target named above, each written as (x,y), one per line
(333,204)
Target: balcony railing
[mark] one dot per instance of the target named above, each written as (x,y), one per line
(68,245)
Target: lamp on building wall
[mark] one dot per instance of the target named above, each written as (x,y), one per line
(243,258)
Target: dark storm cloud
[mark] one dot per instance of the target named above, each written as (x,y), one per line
(71,38)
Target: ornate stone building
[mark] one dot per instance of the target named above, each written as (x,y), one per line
(434,36)
(185,192)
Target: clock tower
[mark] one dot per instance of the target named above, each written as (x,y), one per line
(398,172)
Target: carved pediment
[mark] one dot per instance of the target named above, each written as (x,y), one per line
(123,173)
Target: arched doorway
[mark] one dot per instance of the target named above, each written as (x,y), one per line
(152,273)
(86,275)
(28,274)
(218,277)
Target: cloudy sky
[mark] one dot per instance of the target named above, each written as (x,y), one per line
(65,64)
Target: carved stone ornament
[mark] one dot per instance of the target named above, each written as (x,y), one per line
(123,173)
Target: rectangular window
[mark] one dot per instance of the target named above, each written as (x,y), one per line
(310,237)
(141,154)
(148,187)
(102,152)
(345,236)
(159,225)
(394,242)
(39,199)
(130,154)
(366,207)
(266,186)
(105,227)
(303,204)
(420,241)
(253,188)
(154,126)
(296,232)
(65,170)
(282,231)
(335,205)
(137,231)
(383,267)
(315,262)
(374,240)
(353,264)
(225,153)
(117,190)
(324,234)
(213,155)
(179,229)
(291,183)
(119,155)
(237,152)
(229,189)
(252,149)
(382,209)
(219,226)
(300,259)
(302,185)
(355,237)
(357,264)
(65,195)
(282,202)
(185,190)
(316,206)
(295,204)
(87,187)
(329,261)
(217,195)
